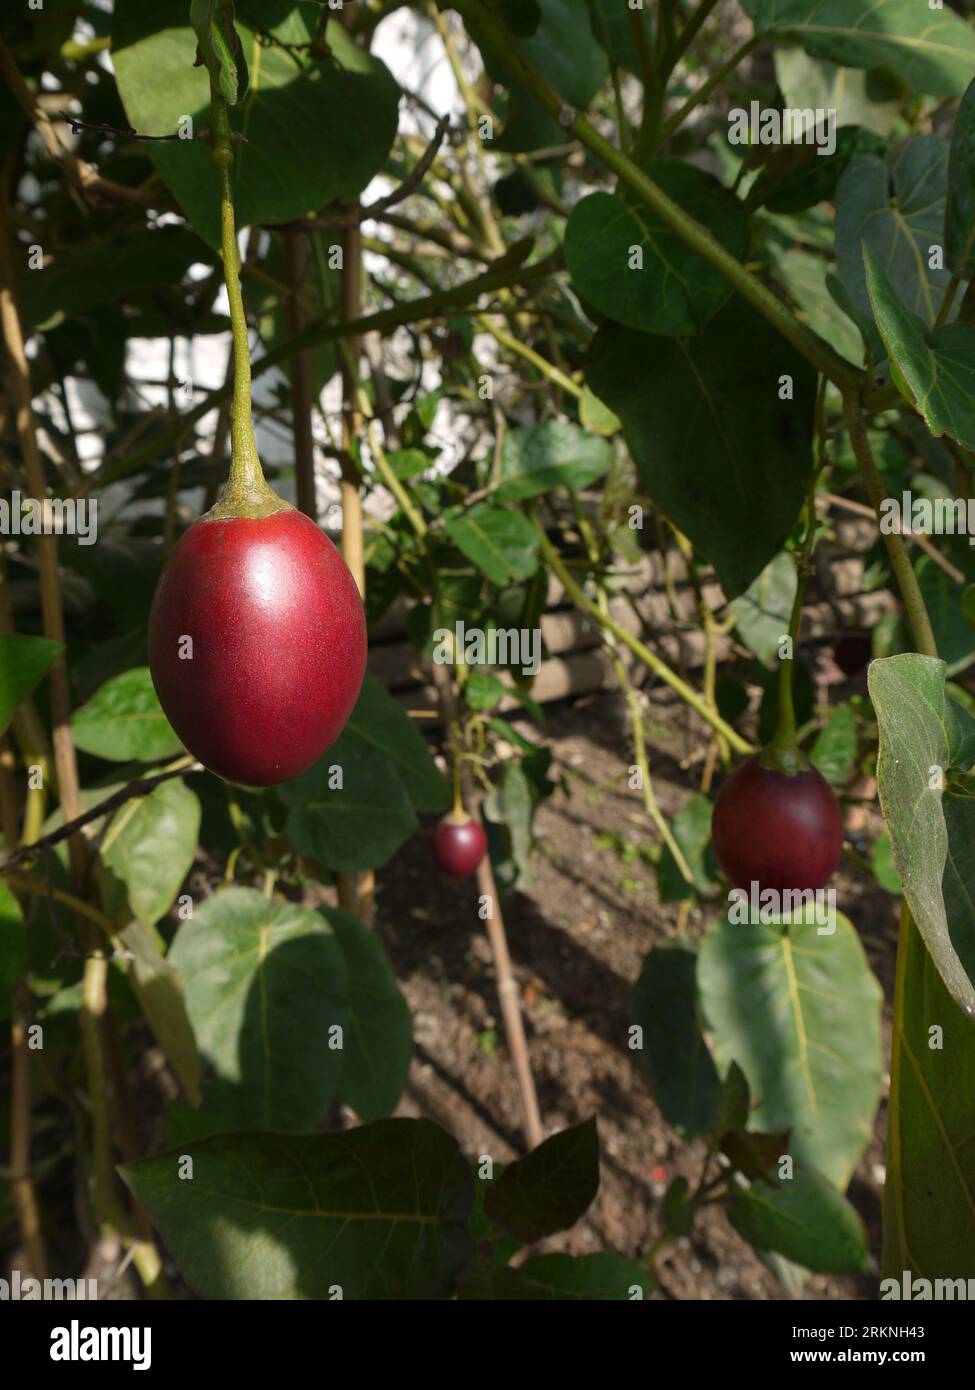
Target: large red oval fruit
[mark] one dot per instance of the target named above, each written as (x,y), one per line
(459,845)
(278,644)
(781,831)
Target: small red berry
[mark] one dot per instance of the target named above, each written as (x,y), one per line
(278,644)
(782,831)
(459,845)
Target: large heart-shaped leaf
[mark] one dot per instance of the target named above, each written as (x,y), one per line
(265,993)
(932,50)
(375,1212)
(721,438)
(918,742)
(936,364)
(777,1000)
(315,130)
(635,269)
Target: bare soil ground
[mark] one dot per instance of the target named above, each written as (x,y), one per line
(578,938)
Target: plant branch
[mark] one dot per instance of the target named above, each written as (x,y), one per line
(911,594)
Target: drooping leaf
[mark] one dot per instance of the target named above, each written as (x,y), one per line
(908,695)
(721,438)
(382,723)
(266,993)
(376,1212)
(150,843)
(929,1194)
(378,1036)
(683,1077)
(160,990)
(691,827)
(776,1000)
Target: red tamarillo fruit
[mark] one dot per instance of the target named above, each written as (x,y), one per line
(782,830)
(257,644)
(459,844)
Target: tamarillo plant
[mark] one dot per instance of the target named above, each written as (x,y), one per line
(570,308)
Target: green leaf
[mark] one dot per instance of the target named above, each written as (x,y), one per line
(345,107)
(150,843)
(502,543)
(376,1212)
(834,752)
(350,810)
(929,1195)
(124,722)
(960,209)
(800,1014)
(13,963)
(897,213)
(24,661)
(763,611)
(937,365)
(715,446)
(537,458)
(908,695)
(673,291)
(683,1077)
(551,1188)
(381,723)
(265,990)
(598,1277)
(869,100)
(564,50)
(161,992)
(933,51)
(805,1219)
(954,636)
(379,1038)
(884,869)
(613,28)
(691,827)
(77,280)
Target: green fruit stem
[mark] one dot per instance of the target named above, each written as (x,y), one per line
(246,492)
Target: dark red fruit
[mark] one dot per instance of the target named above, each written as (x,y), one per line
(459,845)
(783,832)
(278,644)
